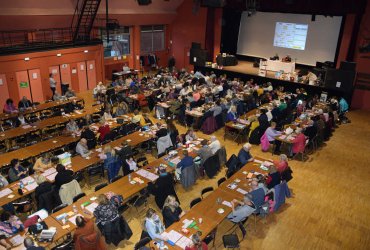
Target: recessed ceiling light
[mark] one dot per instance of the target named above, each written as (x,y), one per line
(26,58)
(86,51)
(59,54)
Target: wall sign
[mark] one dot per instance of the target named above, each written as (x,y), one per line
(23,84)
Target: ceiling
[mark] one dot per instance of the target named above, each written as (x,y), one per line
(66,7)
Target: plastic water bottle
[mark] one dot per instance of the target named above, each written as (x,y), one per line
(75,209)
(129,177)
(21,185)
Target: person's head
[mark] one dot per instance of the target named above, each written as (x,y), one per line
(254,184)
(171,202)
(14,162)
(196,238)
(136,112)
(40,179)
(273,124)
(283,157)
(298,130)
(54,161)
(151,214)
(102,199)
(83,141)
(60,168)
(45,157)
(9,101)
(80,221)
(28,242)
(108,149)
(213,138)
(247,146)
(272,169)
(233,109)
(5,216)
(24,98)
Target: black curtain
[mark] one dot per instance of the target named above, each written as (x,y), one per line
(230,30)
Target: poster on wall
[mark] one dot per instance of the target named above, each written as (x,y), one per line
(64,66)
(1,82)
(91,66)
(74,71)
(54,71)
(34,75)
(82,67)
(23,85)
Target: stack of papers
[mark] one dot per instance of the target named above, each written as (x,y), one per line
(183,242)
(226,203)
(49,172)
(91,207)
(5,192)
(146,174)
(242,191)
(31,186)
(175,161)
(16,240)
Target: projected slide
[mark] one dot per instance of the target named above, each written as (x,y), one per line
(290,35)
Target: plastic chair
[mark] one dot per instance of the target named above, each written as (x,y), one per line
(79,196)
(220,181)
(195,201)
(206,190)
(100,186)
(60,207)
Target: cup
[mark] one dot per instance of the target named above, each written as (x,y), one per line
(200,220)
(219,200)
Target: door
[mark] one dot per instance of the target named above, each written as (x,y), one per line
(56,75)
(34,77)
(3,89)
(82,76)
(91,74)
(23,84)
(65,74)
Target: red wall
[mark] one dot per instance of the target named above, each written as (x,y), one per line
(42,61)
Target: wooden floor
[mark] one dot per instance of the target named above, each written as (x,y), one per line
(330,208)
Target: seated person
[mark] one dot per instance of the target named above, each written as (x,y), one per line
(9,107)
(205,151)
(271,133)
(20,121)
(42,163)
(89,135)
(198,244)
(154,226)
(86,237)
(241,209)
(122,109)
(171,211)
(103,130)
(24,104)
(282,163)
(16,171)
(273,177)
(299,142)
(132,165)
(257,194)
(310,130)
(72,127)
(105,211)
(186,161)
(244,154)
(232,115)
(63,176)
(190,135)
(82,149)
(215,144)
(57,96)
(111,162)
(147,119)
(126,151)
(3,181)
(29,244)
(138,118)
(43,187)
(142,99)
(70,93)
(72,106)
(107,114)
(162,131)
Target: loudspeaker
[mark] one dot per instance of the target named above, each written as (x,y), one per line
(344,65)
(213,3)
(144,2)
(340,79)
(195,45)
(198,57)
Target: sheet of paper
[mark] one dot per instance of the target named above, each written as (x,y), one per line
(49,172)
(26,126)
(242,191)
(51,177)
(27,180)
(232,186)
(16,240)
(176,160)
(31,186)
(183,242)
(226,203)
(173,235)
(73,219)
(257,161)
(91,207)
(146,174)
(5,192)
(186,223)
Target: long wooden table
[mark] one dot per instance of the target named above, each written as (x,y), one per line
(39,108)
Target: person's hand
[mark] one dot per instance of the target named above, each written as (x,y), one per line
(165,238)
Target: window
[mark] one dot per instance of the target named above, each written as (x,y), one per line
(152,38)
(119,42)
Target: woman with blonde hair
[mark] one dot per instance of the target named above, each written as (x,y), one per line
(171,211)
(111,162)
(254,124)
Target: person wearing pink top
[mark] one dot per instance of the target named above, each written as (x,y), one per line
(9,107)
(299,142)
(282,163)
(196,96)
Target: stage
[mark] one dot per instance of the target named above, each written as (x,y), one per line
(245,71)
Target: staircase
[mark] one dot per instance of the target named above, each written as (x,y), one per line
(83,19)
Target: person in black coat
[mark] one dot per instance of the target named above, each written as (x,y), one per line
(162,131)
(310,130)
(63,176)
(43,187)
(263,120)
(162,188)
(89,135)
(171,211)
(274,178)
(24,103)
(30,245)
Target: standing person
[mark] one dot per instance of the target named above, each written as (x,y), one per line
(64,86)
(53,83)
(111,162)
(171,211)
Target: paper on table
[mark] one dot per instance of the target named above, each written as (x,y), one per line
(117,148)
(242,191)
(172,235)
(27,180)
(175,161)
(226,203)
(257,161)
(5,192)
(49,172)
(267,163)
(51,177)
(232,186)
(73,219)
(31,186)
(186,223)
(91,207)
(26,126)
(146,174)
(16,240)
(183,242)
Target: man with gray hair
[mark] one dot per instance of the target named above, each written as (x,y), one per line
(215,144)
(30,245)
(244,154)
(82,149)
(241,209)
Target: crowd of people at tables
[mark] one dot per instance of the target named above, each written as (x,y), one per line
(182,91)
